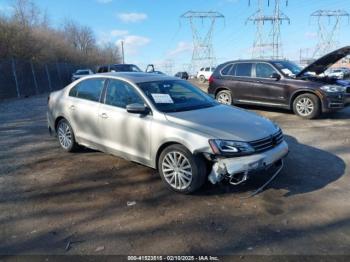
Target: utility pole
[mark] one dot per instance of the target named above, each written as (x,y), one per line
(268,45)
(328,30)
(202,26)
(123,57)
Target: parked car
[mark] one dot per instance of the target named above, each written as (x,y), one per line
(338,72)
(119,68)
(281,83)
(168,124)
(81,73)
(205,73)
(182,75)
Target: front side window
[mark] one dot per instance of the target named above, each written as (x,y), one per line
(89,89)
(244,69)
(207,69)
(176,96)
(264,70)
(121,94)
(288,68)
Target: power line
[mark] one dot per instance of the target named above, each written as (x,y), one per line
(203,53)
(328,29)
(268,45)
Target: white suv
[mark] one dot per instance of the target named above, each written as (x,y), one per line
(204,73)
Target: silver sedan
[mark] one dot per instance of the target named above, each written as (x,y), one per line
(165,123)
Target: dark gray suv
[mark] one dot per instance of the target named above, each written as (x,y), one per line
(282,83)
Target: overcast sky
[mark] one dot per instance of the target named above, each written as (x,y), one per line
(153,32)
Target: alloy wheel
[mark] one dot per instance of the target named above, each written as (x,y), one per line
(224,98)
(177,170)
(64,135)
(305,106)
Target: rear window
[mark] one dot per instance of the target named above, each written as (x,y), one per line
(125,68)
(82,72)
(244,69)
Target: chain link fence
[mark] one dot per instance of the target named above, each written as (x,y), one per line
(19,78)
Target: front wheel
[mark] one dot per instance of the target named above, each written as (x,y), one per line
(180,170)
(307,106)
(224,97)
(202,78)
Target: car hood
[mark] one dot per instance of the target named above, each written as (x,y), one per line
(323,63)
(225,122)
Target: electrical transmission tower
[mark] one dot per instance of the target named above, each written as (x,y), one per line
(202,36)
(268,45)
(328,30)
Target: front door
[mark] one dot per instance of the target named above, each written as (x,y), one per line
(124,133)
(269,90)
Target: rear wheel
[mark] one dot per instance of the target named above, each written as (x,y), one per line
(202,78)
(307,106)
(224,97)
(65,136)
(180,170)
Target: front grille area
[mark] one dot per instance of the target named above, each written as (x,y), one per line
(267,143)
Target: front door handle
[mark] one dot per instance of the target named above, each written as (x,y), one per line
(72,107)
(104,115)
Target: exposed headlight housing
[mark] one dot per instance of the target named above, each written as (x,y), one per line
(333,88)
(229,147)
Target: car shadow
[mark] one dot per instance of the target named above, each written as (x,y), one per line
(338,115)
(306,169)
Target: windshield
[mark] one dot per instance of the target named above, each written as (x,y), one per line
(82,72)
(176,96)
(288,68)
(125,68)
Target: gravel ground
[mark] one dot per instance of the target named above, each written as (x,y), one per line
(52,202)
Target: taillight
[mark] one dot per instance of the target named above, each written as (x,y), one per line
(211,79)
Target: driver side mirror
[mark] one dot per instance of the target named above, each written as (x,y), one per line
(276,76)
(137,109)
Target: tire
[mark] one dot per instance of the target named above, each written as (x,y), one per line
(307,106)
(202,78)
(224,97)
(65,136)
(193,174)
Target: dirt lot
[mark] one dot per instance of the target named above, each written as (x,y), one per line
(49,198)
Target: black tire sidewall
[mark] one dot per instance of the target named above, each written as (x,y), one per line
(227,92)
(197,164)
(73,145)
(315,100)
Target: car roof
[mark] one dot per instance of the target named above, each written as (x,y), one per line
(258,60)
(138,77)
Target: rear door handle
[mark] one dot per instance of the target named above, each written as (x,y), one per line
(72,107)
(104,115)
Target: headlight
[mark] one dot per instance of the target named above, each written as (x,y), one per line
(229,147)
(333,88)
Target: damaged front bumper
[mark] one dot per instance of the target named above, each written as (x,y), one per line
(237,169)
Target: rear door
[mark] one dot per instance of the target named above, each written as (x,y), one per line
(83,104)
(269,90)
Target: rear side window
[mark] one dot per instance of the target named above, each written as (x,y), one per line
(264,70)
(226,70)
(89,89)
(121,94)
(207,69)
(244,69)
